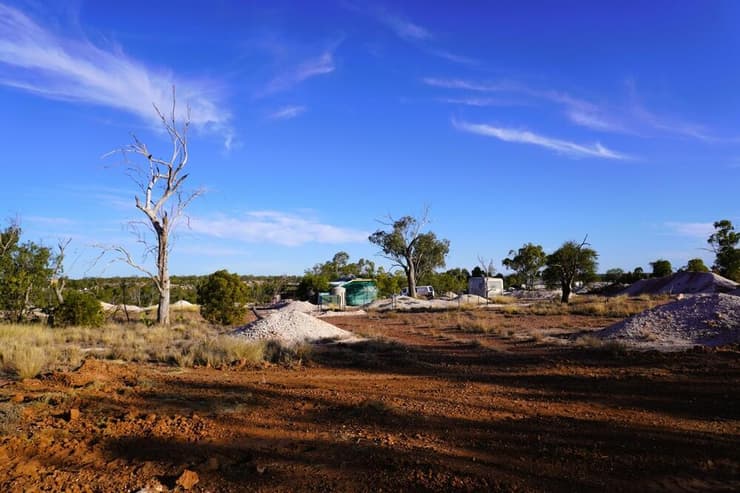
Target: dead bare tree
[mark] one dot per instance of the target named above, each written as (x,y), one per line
(161,200)
(486,267)
(58,280)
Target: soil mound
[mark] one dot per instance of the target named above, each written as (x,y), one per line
(682,282)
(292,327)
(708,320)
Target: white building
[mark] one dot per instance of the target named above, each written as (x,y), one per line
(486,286)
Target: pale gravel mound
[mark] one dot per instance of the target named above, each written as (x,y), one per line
(346,313)
(298,306)
(708,320)
(112,308)
(292,327)
(471,299)
(182,304)
(398,303)
(682,282)
(537,294)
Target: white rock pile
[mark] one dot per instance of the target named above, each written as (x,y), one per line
(292,327)
(708,320)
(298,306)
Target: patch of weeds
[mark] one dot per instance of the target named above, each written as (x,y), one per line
(10,416)
(374,406)
(589,341)
(280,353)
(615,349)
(25,361)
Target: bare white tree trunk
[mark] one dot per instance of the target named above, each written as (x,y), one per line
(162,201)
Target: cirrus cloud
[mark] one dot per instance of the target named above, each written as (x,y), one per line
(526,137)
(37,60)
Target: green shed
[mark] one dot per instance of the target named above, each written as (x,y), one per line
(360,292)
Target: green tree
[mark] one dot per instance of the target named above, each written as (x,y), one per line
(661,268)
(25,273)
(614,275)
(311,285)
(389,283)
(222,296)
(724,243)
(455,280)
(571,262)
(407,247)
(79,308)
(527,262)
(696,265)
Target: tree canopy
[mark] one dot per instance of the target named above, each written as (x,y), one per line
(696,265)
(222,296)
(661,268)
(527,262)
(724,243)
(25,273)
(407,247)
(571,262)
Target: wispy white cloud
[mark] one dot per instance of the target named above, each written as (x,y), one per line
(287,112)
(479,102)
(468,85)
(39,61)
(275,227)
(454,57)
(578,111)
(527,137)
(693,230)
(49,220)
(633,118)
(313,67)
(671,125)
(403,28)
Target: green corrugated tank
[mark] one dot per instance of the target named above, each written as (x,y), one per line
(360,292)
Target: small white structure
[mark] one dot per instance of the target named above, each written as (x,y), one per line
(425,291)
(485,287)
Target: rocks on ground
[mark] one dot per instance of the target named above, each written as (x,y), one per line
(708,320)
(682,282)
(292,327)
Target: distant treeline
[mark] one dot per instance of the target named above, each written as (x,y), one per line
(140,291)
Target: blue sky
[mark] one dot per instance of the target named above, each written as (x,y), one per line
(511,121)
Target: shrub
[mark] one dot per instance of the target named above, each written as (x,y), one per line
(281,353)
(26,362)
(222,297)
(79,309)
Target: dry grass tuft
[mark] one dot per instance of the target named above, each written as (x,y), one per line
(26,350)
(10,416)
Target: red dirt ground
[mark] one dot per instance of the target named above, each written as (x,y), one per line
(426,407)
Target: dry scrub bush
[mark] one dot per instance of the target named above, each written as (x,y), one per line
(503,300)
(26,350)
(480,326)
(614,348)
(220,351)
(10,415)
(281,353)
